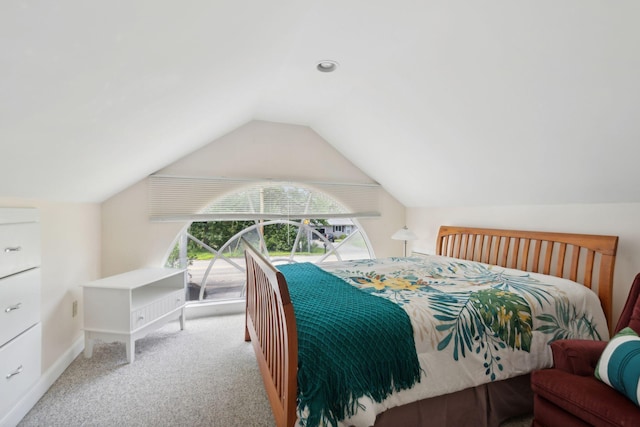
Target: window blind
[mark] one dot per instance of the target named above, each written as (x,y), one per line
(180,198)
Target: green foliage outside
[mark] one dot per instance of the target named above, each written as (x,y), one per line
(214,233)
(279,239)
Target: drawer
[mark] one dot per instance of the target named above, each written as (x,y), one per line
(19,367)
(19,303)
(19,247)
(157,309)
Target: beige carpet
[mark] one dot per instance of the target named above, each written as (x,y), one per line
(205,375)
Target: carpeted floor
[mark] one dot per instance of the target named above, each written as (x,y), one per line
(205,375)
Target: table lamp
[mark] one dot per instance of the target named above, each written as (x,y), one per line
(404,234)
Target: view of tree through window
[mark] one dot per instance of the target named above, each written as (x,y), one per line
(214,255)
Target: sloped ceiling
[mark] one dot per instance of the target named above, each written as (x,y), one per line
(446,102)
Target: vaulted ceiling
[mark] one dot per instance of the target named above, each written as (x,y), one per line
(443,102)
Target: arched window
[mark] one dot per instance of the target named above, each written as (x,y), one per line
(287,223)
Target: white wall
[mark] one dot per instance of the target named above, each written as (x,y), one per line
(70,257)
(256,150)
(621,220)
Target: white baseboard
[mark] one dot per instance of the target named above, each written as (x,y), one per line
(205,309)
(46,380)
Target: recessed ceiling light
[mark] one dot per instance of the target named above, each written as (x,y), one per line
(327,66)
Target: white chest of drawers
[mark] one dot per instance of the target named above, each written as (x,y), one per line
(127,306)
(20,329)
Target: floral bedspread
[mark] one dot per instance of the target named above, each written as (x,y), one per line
(474,323)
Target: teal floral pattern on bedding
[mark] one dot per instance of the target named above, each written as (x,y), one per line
(496,320)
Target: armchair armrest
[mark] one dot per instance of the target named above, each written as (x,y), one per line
(578,357)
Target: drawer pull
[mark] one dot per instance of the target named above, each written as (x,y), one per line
(13,249)
(14,373)
(140,318)
(12,307)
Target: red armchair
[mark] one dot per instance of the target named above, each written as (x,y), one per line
(570,395)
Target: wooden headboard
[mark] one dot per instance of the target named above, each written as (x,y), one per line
(584,258)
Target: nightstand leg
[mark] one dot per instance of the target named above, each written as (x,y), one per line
(131,350)
(182,319)
(88,345)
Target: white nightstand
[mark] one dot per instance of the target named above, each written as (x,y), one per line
(128,306)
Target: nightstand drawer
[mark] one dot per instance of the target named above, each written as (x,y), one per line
(157,309)
(19,366)
(19,247)
(19,303)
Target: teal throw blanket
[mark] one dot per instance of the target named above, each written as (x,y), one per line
(350,344)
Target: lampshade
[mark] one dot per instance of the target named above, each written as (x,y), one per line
(404,234)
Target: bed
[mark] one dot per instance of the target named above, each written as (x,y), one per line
(561,258)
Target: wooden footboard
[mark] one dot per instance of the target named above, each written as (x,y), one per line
(584,258)
(271,327)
